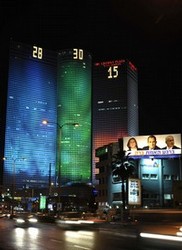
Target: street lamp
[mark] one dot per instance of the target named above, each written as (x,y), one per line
(75,124)
(13,179)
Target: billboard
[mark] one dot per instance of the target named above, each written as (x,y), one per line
(158,146)
(134,191)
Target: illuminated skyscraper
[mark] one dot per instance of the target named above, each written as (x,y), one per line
(57,87)
(115,102)
(74,105)
(52,86)
(29,151)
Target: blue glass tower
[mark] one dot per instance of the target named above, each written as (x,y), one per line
(29,151)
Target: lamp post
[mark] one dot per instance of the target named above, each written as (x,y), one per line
(13,180)
(60,127)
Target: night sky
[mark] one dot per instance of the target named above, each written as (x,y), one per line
(147,32)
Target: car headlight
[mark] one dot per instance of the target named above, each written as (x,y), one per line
(20,220)
(33,220)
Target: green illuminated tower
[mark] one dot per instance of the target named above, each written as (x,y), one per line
(74,106)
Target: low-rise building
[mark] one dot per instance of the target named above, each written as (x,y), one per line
(156,175)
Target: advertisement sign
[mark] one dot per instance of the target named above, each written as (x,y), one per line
(134,191)
(42,202)
(158,146)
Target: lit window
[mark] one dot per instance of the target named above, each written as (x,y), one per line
(145,176)
(167,177)
(154,176)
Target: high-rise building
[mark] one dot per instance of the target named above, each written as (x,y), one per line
(74,106)
(115,102)
(29,151)
(55,87)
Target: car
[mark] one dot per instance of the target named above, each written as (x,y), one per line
(25,220)
(76,221)
(68,220)
(179,233)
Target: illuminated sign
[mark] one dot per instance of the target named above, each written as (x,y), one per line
(134,191)
(159,146)
(101,151)
(132,66)
(42,202)
(37,52)
(110,63)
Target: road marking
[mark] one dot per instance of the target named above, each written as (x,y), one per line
(160,236)
(82,247)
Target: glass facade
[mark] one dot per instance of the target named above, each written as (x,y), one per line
(56,87)
(115,102)
(74,106)
(29,147)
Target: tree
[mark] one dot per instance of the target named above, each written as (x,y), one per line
(122,169)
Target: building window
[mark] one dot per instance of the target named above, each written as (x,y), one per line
(167,177)
(154,196)
(145,176)
(153,176)
(174,177)
(145,195)
(116,196)
(102,169)
(168,196)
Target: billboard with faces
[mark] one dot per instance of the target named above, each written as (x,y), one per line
(158,146)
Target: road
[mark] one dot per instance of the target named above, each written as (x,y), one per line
(48,236)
